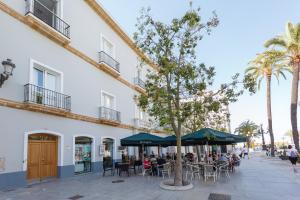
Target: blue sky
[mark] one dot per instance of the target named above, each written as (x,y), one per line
(244,27)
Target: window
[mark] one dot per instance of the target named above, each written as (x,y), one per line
(108,101)
(46,78)
(142,115)
(45,86)
(107,47)
(139,73)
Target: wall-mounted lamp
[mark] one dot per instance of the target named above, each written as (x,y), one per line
(8,66)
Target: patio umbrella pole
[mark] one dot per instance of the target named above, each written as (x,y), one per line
(143,153)
(158,151)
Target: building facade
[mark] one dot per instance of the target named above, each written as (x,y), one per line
(71,96)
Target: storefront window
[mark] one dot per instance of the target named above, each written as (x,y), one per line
(83,155)
(108,147)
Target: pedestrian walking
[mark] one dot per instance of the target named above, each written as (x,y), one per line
(246,153)
(293,155)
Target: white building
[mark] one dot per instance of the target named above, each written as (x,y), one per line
(70,98)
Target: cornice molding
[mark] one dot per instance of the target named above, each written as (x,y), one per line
(65,114)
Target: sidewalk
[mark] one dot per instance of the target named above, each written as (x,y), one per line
(259,178)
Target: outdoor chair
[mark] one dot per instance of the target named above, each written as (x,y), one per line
(192,171)
(224,168)
(209,171)
(123,167)
(147,169)
(138,164)
(164,169)
(108,166)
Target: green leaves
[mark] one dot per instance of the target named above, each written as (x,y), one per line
(248,129)
(265,65)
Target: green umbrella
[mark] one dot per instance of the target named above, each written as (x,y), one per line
(210,136)
(142,139)
(145,139)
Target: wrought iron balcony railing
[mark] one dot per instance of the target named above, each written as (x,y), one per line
(139,82)
(42,12)
(39,95)
(110,114)
(142,123)
(108,60)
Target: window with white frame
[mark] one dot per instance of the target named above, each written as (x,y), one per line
(45,86)
(108,100)
(47,78)
(107,47)
(142,115)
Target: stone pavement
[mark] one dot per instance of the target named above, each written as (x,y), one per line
(259,178)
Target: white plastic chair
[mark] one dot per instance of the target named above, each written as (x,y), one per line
(209,171)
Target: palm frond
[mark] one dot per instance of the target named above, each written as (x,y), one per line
(297,30)
(259,82)
(290,32)
(277,41)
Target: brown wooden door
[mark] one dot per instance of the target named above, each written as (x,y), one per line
(33,160)
(42,158)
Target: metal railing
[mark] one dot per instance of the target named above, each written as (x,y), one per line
(110,114)
(141,123)
(107,59)
(40,11)
(139,82)
(40,95)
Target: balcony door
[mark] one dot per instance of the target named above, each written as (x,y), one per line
(46,10)
(47,86)
(107,47)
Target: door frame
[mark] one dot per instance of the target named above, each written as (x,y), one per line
(114,147)
(93,152)
(60,147)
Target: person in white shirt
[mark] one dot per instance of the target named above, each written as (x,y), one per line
(246,153)
(293,156)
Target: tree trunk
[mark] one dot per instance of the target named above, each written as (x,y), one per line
(263,138)
(178,165)
(294,103)
(269,111)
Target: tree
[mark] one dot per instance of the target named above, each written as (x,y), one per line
(207,118)
(289,42)
(262,132)
(180,76)
(264,66)
(248,129)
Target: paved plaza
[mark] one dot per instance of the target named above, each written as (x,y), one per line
(259,178)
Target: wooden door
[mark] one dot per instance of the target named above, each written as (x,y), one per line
(42,157)
(48,164)
(33,160)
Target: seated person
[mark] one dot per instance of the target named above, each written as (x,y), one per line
(168,156)
(147,163)
(209,159)
(223,158)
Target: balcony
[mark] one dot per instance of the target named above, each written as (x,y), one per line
(138,82)
(38,98)
(110,116)
(110,64)
(141,123)
(41,16)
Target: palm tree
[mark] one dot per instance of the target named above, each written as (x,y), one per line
(289,42)
(248,129)
(264,66)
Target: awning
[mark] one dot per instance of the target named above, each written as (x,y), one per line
(211,137)
(142,139)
